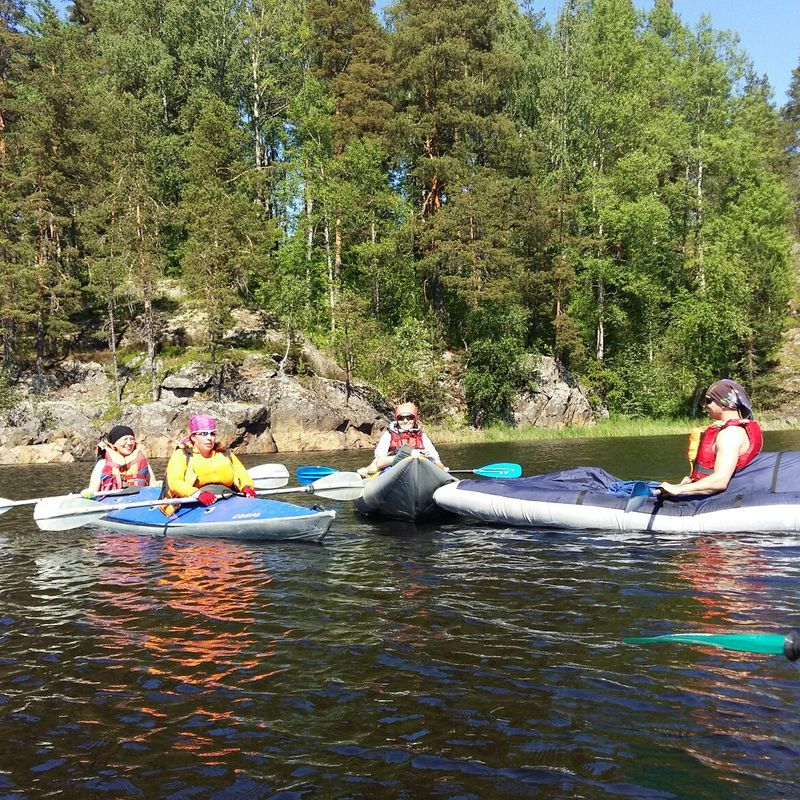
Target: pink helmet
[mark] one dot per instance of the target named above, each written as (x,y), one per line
(202,422)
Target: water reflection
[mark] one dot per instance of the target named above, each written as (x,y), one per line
(452,661)
(726,580)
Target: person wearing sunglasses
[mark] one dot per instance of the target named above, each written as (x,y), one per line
(200,466)
(120,463)
(404,431)
(730,443)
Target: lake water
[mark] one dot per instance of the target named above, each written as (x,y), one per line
(457,661)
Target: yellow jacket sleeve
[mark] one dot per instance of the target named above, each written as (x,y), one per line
(176,474)
(241,475)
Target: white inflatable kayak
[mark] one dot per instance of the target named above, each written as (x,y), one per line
(762,497)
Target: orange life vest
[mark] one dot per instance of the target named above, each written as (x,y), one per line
(704,461)
(401,438)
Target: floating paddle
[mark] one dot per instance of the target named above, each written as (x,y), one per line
(773,643)
(494,471)
(78,511)
(308,474)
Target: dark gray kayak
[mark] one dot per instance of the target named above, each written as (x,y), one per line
(404,491)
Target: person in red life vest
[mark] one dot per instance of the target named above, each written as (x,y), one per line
(731,442)
(403,431)
(121,463)
(199,463)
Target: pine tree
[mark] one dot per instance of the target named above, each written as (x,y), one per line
(17,299)
(790,114)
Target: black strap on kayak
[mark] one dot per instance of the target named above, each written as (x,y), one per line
(775,471)
(581,496)
(737,501)
(656,508)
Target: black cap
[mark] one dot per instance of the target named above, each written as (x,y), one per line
(117,432)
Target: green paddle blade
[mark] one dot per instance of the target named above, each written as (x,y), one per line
(772,643)
(310,474)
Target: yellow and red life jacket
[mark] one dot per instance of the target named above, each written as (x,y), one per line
(119,472)
(703,463)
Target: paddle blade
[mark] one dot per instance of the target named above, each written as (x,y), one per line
(499,471)
(640,494)
(338,486)
(269,476)
(66,513)
(774,644)
(306,475)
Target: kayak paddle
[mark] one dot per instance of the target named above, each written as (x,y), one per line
(311,474)
(494,471)
(7,505)
(269,476)
(78,512)
(773,643)
(308,474)
(639,494)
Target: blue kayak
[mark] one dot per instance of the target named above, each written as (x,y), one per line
(246,518)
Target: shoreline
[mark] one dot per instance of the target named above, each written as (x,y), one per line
(615,427)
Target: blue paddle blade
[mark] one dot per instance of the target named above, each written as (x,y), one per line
(640,493)
(499,471)
(306,475)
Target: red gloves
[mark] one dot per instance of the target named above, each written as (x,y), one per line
(207,498)
(248,491)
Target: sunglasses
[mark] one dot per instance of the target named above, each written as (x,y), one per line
(707,401)
(405,418)
(205,433)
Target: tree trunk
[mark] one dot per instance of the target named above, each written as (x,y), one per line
(331,276)
(112,345)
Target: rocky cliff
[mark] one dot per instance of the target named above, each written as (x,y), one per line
(260,409)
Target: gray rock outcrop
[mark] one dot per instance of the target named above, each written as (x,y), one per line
(557,400)
(259,408)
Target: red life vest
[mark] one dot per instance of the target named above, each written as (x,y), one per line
(118,474)
(400,438)
(704,462)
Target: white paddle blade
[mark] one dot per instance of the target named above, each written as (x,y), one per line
(67,512)
(269,476)
(339,486)
(7,505)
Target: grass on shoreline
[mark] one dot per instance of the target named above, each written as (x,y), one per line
(605,429)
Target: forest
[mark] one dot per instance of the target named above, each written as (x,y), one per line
(614,189)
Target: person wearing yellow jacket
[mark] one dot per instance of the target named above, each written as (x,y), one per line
(199,462)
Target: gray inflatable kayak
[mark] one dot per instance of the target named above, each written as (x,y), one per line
(404,491)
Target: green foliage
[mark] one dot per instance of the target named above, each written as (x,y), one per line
(492,379)
(615,190)
(8,392)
